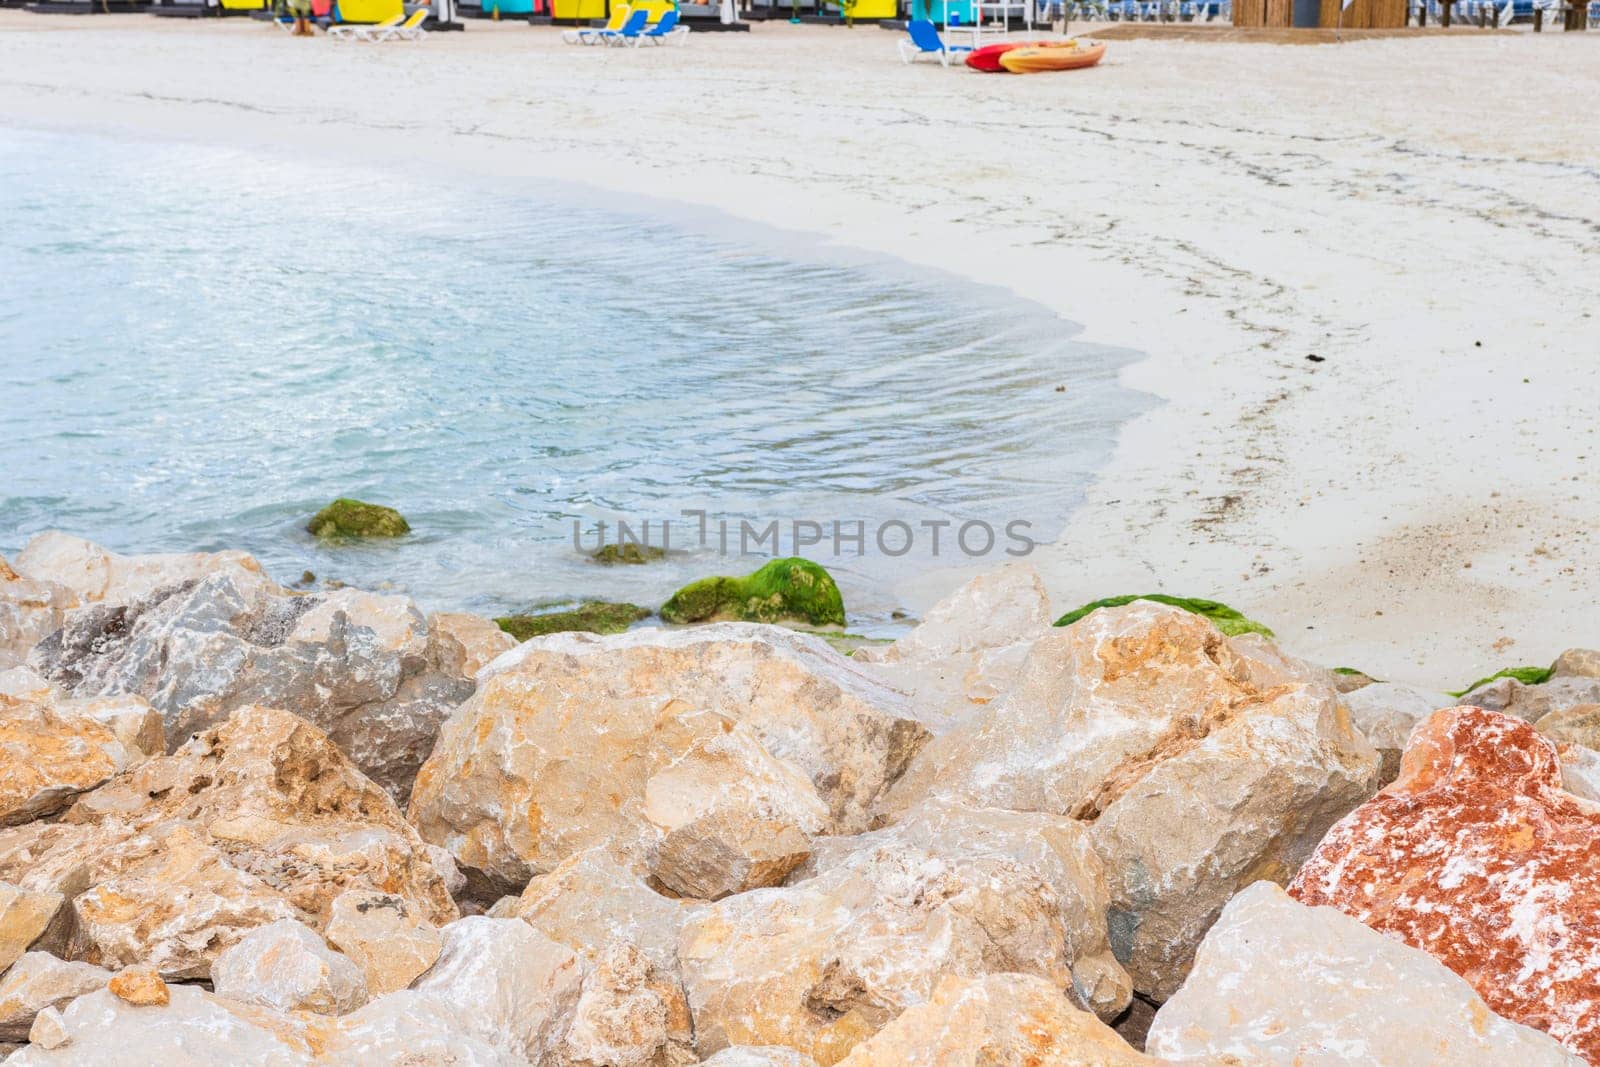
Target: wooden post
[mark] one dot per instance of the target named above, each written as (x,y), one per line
(1577,15)
(1538,19)
(1444,12)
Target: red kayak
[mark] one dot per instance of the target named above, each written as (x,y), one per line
(987,58)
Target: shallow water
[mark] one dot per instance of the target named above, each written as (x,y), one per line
(199,347)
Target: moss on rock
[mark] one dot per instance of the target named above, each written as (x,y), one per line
(1525,675)
(794,589)
(629,552)
(1224,618)
(347,518)
(594,616)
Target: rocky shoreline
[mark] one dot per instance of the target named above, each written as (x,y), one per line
(245,823)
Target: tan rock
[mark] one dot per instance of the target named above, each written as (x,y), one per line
(1203,763)
(194,1029)
(1579,724)
(24,915)
(1577,663)
(386,936)
(366,668)
(479,641)
(287,967)
(731,816)
(826,962)
(95,574)
(52,748)
(633,1010)
(550,756)
(1005,1020)
(411,1029)
(37,981)
(259,820)
(48,1031)
(1276,982)
(139,986)
(968,649)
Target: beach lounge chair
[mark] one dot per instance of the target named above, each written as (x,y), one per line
(925,41)
(667,27)
(591,34)
(350,31)
(632,27)
(409,30)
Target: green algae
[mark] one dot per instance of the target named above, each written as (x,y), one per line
(346,519)
(629,552)
(593,616)
(1525,675)
(1224,618)
(784,589)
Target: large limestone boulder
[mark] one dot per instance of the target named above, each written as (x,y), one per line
(258,820)
(826,962)
(968,649)
(365,668)
(37,981)
(52,748)
(1477,856)
(480,640)
(1200,762)
(555,752)
(759,1056)
(286,966)
(1578,724)
(633,1011)
(1279,983)
(1386,713)
(193,1029)
(999,1020)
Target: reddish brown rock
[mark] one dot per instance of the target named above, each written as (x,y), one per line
(1478,857)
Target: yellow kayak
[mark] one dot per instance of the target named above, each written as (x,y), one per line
(1052,55)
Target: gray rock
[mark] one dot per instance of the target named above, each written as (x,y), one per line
(1534,702)
(1385,713)
(365,668)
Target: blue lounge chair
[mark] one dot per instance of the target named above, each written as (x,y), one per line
(630,30)
(667,27)
(925,41)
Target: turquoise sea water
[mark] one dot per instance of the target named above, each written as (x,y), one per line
(200,346)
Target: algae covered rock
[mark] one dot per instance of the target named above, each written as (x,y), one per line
(628,552)
(346,519)
(1226,619)
(792,588)
(594,616)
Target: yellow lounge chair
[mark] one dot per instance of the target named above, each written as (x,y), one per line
(350,31)
(593,35)
(409,30)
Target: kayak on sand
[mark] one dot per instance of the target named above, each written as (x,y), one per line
(987,58)
(1039,56)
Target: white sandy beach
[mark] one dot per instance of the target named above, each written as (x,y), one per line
(1422,214)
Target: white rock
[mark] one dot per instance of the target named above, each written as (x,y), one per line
(759,1056)
(508,984)
(385,935)
(95,574)
(37,981)
(968,649)
(287,967)
(195,1029)
(1279,983)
